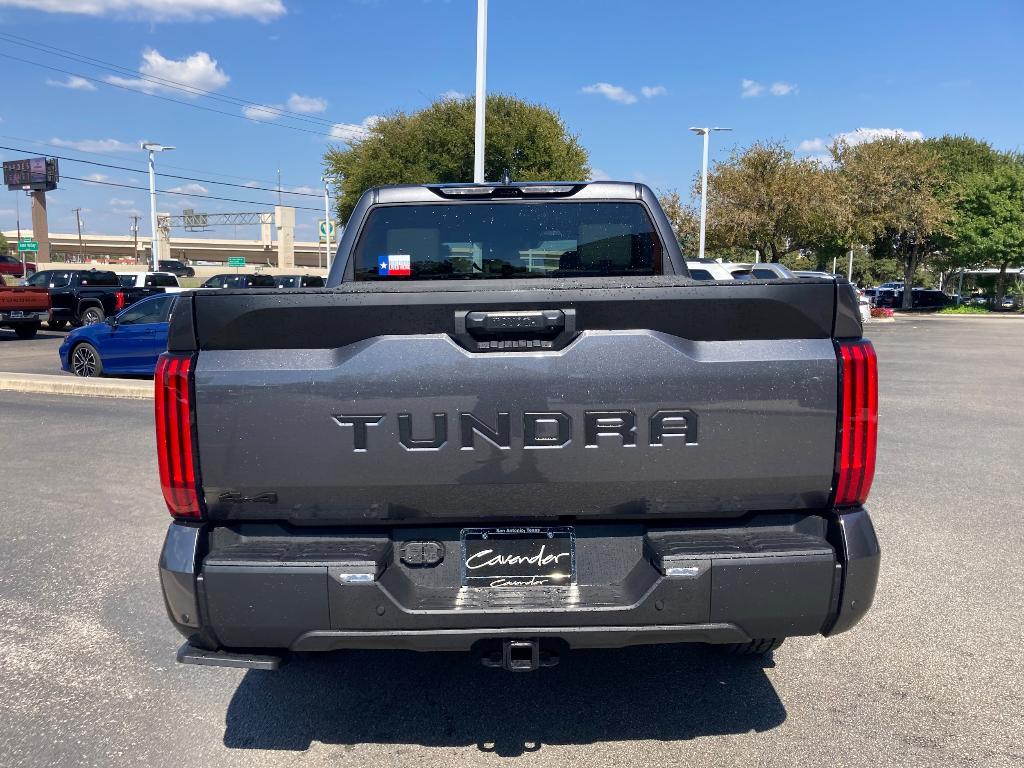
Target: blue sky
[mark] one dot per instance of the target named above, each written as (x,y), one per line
(628,77)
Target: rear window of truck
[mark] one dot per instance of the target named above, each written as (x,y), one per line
(507,240)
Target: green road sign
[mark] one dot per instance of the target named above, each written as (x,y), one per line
(28,245)
(236,261)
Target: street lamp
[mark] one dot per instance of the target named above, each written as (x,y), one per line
(152,147)
(479,134)
(704,184)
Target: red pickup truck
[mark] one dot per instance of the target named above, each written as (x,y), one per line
(23,309)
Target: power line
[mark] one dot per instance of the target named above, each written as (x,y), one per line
(183,194)
(171,175)
(177,101)
(161,81)
(103,155)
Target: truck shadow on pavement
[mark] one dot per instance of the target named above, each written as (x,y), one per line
(667,693)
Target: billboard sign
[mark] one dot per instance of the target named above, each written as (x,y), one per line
(36,173)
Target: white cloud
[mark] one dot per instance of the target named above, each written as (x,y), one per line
(252,184)
(650,91)
(825,160)
(198,71)
(865,135)
(612,92)
(598,174)
(120,202)
(158,10)
(97,177)
(352,132)
(96,145)
(782,89)
(306,190)
(307,105)
(189,189)
(452,95)
(74,82)
(819,147)
(812,145)
(750,88)
(265,112)
(126,211)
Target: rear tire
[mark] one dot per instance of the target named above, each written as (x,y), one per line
(759,647)
(26,330)
(85,361)
(92,315)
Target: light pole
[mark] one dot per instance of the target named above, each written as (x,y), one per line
(705,132)
(481,91)
(152,147)
(327,223)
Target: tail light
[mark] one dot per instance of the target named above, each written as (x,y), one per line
(176,449)
(119,300)
(858,422)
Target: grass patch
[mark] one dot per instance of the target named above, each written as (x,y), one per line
(189,282)
(965,309)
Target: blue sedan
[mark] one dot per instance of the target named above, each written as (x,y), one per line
(127,343)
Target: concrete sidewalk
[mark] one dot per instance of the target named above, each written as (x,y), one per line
(73,385)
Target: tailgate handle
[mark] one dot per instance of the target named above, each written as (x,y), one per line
(539,322)
(515,331)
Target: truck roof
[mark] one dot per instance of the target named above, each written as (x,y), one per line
(493,190)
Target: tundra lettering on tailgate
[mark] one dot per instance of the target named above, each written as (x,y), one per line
(540,429)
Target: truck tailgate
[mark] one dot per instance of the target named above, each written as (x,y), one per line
(15,299)
(676,399)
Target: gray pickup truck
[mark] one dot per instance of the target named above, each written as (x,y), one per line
(512,424)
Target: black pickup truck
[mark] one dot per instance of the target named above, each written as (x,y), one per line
(84,296)
(515,425)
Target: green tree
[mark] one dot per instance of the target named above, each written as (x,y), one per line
(435,145)
(685,220)
(892,191)
(762,198)
(988,225)
(3,243)
(960,159)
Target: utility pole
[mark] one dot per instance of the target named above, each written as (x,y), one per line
(481,91)
(152,147)
(135,231)
(279,186)
(17,216)
(705,132)
(78,220)
(327,223)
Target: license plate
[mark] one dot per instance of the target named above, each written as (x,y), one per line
(16,313)
(518,557)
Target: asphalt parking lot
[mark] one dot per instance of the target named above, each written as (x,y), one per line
(933,676)
(38,355)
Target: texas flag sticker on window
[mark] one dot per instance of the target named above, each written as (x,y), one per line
(395,265)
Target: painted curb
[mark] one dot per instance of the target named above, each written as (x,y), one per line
(45,384)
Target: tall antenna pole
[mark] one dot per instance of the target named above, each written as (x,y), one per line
(481,91)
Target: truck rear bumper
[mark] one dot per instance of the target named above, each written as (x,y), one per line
(768,576)
(24,316)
